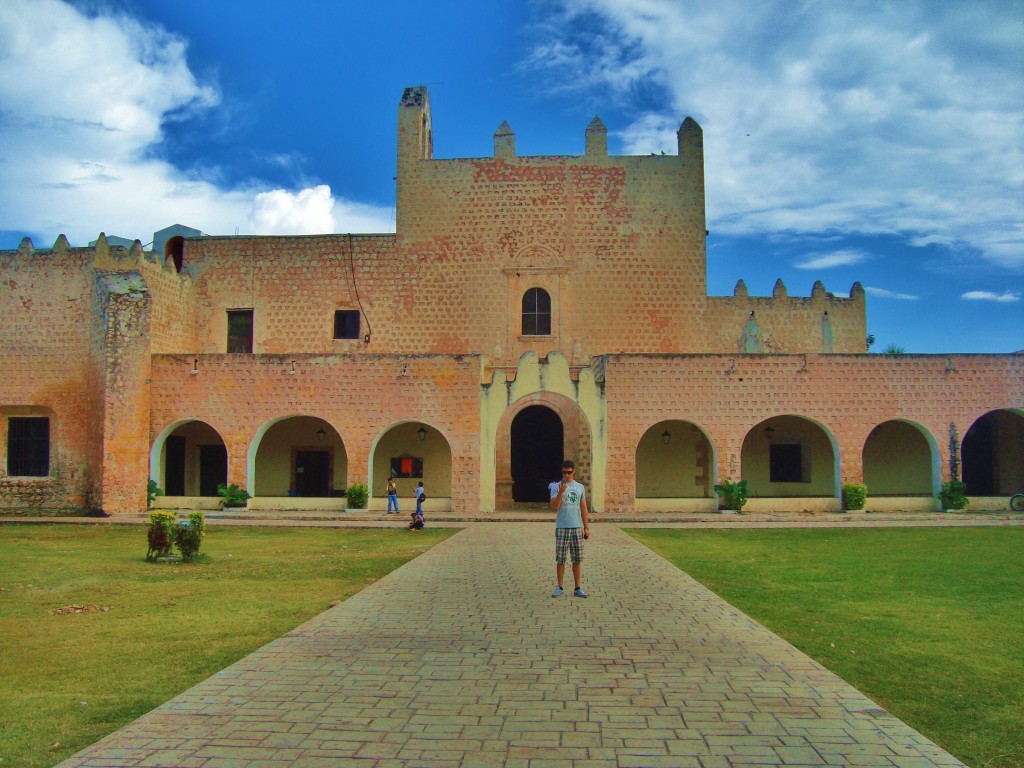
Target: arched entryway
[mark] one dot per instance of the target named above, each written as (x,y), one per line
(189,459)
(791,457)
(992,454)
(537,441)
(412,452)
(297,457)
(674,461)
(534,436)
(900,458)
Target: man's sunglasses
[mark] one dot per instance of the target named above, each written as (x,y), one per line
(568,471)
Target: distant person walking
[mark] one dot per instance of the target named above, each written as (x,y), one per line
(420,496)
(392,496)
(572,526)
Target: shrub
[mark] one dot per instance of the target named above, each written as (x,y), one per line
(160,534)
(152,491)
(188,536)
(954,495)
(734,495)
(232,495)
(854,496)
(357,495)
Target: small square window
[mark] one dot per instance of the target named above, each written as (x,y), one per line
(346,324)
(28,446)
(240,331)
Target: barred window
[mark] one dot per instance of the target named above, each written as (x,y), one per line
(28,446)
(536,313)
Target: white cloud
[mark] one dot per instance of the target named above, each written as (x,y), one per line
(828,260)
(82,101)
(883,293)
(1004,297)
(895,119)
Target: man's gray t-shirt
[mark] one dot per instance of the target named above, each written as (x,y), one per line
(569,512)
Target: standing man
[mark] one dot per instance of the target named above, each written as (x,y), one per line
(392,496)
(571,527)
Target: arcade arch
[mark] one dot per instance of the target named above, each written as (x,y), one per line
(412,451)
(189,458)
(674,459)
(992,454)
(900,458)
(298,456)
(790,456)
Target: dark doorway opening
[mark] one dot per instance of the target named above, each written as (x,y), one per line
(537,440)
(976,452)
(174,466)
(785,463)
(213,468)
(313,473)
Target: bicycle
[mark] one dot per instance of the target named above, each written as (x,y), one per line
(1017,502)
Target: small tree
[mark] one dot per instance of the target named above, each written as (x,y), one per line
(734,495)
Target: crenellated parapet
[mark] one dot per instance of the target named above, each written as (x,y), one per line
(784,324)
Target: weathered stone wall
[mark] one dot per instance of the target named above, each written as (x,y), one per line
(47,304)
(118,347)
(819,323)
(728,396)
(359,396)
(295,284)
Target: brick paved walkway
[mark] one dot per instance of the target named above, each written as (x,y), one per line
(461,658)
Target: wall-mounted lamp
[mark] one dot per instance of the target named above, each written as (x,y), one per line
(321,434)
(769,432)
(422,433)
(666,438)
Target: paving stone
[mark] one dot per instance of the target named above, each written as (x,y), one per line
(461,658)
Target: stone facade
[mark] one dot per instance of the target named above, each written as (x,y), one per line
(527,308)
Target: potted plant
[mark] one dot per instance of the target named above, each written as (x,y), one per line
(232,496)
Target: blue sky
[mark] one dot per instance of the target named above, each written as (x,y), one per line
(878,142)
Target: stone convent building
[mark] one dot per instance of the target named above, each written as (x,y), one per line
(527,309)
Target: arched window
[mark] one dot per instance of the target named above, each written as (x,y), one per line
(536,313)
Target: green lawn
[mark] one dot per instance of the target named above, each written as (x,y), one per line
(928,622)
(67,680)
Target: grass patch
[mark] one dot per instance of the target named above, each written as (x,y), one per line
(928,622)
(66,680)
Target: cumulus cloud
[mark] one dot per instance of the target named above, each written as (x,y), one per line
(884,293)
(77,130)
(900,119)
(842,258)
(1004,297)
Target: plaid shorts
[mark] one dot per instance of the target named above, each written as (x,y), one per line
(568,541)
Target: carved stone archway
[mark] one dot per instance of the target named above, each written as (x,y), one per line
(576,441)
